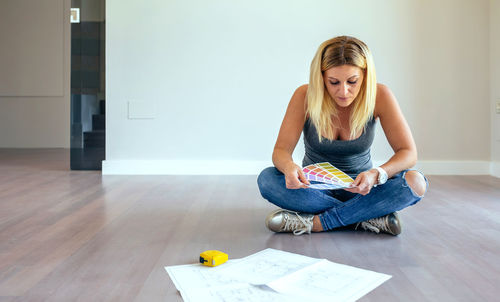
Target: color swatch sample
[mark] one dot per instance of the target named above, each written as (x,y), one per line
(330,177)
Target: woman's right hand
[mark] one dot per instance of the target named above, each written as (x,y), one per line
(295,178)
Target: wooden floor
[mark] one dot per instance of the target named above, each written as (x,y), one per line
(79,236)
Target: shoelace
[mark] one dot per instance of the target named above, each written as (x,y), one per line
(374,225)
(298,224)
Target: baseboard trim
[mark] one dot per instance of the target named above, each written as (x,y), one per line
(495,169)
(183,167)
(431,167)
(248,167)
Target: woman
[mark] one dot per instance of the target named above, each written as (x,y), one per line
(337,113)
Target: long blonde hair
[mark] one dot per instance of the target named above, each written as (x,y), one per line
(320,106)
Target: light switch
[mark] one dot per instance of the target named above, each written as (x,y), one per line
(75,15)
(498,106)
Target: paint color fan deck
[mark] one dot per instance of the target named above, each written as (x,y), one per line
(326,177)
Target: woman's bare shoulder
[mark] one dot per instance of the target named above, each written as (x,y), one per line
(383,91)
(299,95)
(302,89)
(384,98)
(298,99)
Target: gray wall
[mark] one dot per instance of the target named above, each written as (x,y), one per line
(495,81)
(34,73)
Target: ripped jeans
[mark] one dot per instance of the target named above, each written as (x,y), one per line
(337,208)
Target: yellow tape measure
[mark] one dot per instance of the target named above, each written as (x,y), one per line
(213,258)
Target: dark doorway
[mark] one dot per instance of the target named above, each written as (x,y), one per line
(88,126)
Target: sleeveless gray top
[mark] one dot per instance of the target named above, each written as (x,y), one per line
(351,156)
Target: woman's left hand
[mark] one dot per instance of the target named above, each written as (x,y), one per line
(364,182)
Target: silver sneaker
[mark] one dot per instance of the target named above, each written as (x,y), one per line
(280,221)
(388,224)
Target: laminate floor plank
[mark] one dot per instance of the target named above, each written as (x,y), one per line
(80,236)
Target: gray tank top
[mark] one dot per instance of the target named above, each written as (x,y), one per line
(352,156)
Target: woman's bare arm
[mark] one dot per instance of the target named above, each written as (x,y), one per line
(288,136)
(397,131)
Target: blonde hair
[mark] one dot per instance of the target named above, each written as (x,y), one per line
(320,106)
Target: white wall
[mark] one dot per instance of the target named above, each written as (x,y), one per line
(34,73)
(213,78)
(451,88)
(216,77)
(495,84)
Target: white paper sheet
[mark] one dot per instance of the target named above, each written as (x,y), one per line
(331,281)
(199,283)
(192,277)
(265,266)
(273,275)
(239,293)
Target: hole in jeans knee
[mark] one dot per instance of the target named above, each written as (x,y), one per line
(416,182)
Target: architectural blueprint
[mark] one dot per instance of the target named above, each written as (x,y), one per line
(273,275)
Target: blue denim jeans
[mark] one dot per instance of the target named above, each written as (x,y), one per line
(337,208)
